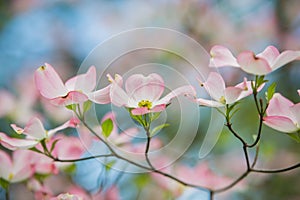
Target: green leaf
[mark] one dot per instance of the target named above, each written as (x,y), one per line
(53,145)
(295,136)
(142,180)
(154,116)
(36,150)
(72,107)
(260,80)
(4,184)
(109,165)
(270,92)
(41,177)
(107,127)
(86,106)
(71,169)
(157,129)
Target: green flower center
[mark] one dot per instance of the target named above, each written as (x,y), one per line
(145,103)
(222,100)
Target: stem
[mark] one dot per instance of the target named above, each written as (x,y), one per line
(276,170)
(7,196)
(82,159)
(233,183)
(148,147)
(256,157)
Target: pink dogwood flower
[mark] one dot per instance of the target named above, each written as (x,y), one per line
(34,132)
(17,168)
(76,90)
(283,115)
(142,94)
(261,64)
(221,94)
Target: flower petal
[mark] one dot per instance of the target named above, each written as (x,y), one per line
(14,143)
(221,56)
(295,110)
(280,123)
(209,103)
(6,164)
(232,94)
(35,129)
(280,106)
(140,87)
(83,82)
(140,111)
(215,86)
(183,90)
(72,123)
(49,83)
(269,54)
(246,88)
(118,96)
(284,58)
(252,64)
(101,96)
(72,97)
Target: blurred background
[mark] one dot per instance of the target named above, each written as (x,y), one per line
(63,33)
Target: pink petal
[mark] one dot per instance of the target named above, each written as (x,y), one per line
(17,129)
(232,94)
(284,58)
(14,143)
(7,103)
(72,123)
(22,168)
(252,64)
(221,56)
(215,85)
(118,96)
(295,110)
(49,83)
(158,108)
(246,88)
(140,87)
(140,111)
(72,97)
(280,106)
(83,82)
(35,129)
(281,123)
(269,54)
(298,92)
(6,164)
(183,90)
(101,96)
(209,103)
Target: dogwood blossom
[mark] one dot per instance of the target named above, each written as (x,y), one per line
(16,168)
(142,94)
(222,95)
(76,90)
(34,133)
(261,64)
(283,115)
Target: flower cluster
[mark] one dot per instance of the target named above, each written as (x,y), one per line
(39,152)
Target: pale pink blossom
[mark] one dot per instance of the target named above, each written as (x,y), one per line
(202,175)
(222,95)
(34,132)
(142,94)
(282,114)
(16,168)
(261,64)
(76,90)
